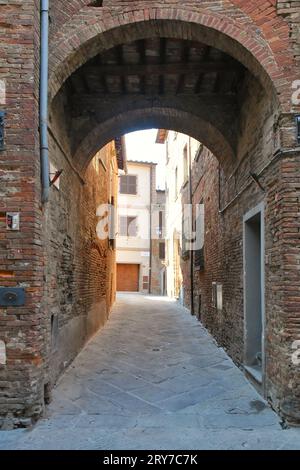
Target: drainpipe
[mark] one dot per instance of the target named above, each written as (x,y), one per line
(192,251)
(44,61)
(150,222)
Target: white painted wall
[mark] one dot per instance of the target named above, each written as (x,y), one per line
(136,250)
(175,144)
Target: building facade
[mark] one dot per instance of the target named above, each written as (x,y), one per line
(216,264)
(134,239)
(158,245)
(140,241)
(180,152)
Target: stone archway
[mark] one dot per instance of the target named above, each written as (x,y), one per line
(242,130)
(140,119)
(73,48)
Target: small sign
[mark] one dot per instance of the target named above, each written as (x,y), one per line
(145,254)
(13,221)
(2,92)
(53,173)
(2,353)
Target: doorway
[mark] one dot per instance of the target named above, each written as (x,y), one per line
(254,290)
(128,277)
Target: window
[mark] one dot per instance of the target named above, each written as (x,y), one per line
(112,223)
(200,233)
(167,152)
(185,164)
(186,235)
(217,296)
(160,228)
(54,333)
(128,184)
(128,226)
(162,250)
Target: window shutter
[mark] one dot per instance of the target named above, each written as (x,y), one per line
(162,251)
(128,184)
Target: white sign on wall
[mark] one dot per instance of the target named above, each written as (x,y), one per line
(2,353)
(145,254)
(2,92)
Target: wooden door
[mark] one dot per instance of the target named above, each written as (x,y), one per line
(128,277)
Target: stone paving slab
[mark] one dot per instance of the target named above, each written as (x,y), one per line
(153,378)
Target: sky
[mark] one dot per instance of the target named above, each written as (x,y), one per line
(141,146)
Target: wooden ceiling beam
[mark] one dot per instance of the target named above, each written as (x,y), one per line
(143,60)
(185,55)
(102,77)
(162,69)
(120,58)
(200,77)
(162,56)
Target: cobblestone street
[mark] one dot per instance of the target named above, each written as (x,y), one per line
(154,379)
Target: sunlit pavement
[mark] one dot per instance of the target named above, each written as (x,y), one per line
(154,379)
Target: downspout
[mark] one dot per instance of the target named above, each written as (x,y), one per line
(192,251)
(44,64)
(150,222)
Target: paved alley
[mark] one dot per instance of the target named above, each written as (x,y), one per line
(154,379)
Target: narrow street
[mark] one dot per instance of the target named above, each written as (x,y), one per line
(154,379)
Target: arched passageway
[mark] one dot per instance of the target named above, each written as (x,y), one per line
(216,74)
(194,79)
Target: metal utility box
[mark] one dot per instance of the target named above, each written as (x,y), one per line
(12,296)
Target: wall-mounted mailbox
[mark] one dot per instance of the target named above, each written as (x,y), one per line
(13,221)
(12,296)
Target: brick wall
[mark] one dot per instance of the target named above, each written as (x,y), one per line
(223,252)
(21,255)
(80,268)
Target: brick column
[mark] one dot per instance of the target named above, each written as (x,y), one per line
(21,258)
(283,277)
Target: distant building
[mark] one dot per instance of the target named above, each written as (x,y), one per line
(158,251)
(180,152)
(139,220)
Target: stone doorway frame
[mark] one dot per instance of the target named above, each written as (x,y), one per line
(261,381)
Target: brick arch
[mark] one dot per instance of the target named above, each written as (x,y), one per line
(83,41)
(154,117)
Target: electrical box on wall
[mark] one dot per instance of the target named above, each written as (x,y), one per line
(12,297)
(13,221)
